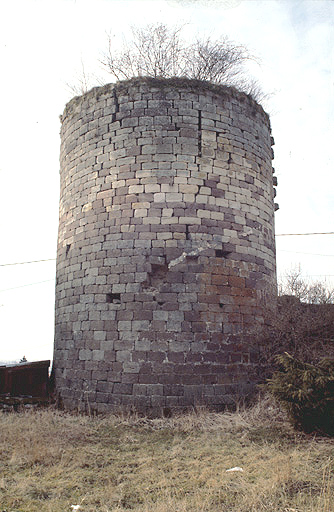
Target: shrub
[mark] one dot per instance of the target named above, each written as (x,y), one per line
(159,51)
(302,324)
(306,391)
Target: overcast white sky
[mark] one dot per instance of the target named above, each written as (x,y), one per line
(42,47)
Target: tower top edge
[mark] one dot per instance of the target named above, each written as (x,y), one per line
(156,84)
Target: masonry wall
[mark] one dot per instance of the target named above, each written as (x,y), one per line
(166,249)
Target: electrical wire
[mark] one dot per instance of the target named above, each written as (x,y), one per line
(25,262)
(307,253)
(304,234)
(278,234)
(24,285)
(281,276)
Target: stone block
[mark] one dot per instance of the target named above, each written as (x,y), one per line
(159,197)
(98,355)
(142,345)
(123,356)
(122,389)
(136,189)
(85,355)
(152,188)
(131,367)
(188,189)
(99,335)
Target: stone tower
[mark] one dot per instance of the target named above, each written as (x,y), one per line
(166,251)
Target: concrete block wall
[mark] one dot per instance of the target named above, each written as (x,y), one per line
(166,249)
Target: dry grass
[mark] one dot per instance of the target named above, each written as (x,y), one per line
(51,460)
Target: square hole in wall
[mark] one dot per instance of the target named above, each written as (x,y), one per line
(220,253)
(113,298)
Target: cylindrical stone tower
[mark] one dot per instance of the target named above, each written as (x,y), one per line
(166,249)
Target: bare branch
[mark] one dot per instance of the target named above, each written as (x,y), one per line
(296,284)
(160,51)
(84,82)
(216,61)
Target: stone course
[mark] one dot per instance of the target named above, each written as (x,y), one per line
(166,251)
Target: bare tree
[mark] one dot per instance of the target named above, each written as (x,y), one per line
(154,51)
(302,325)
(160,52)
(215,61)
(295,284)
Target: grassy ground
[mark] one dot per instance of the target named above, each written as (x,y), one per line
(50,460)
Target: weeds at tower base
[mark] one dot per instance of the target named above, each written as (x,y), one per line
(51,460)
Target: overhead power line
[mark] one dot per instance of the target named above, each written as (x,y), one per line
(281,276)
(24,285)
(25,262)
(277,234)
(304,234)
(307,253)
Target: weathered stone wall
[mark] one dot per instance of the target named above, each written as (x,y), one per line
(166,246)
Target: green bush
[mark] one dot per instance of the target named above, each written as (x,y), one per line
(306,391)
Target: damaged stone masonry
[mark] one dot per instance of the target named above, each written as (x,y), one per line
(166,249)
